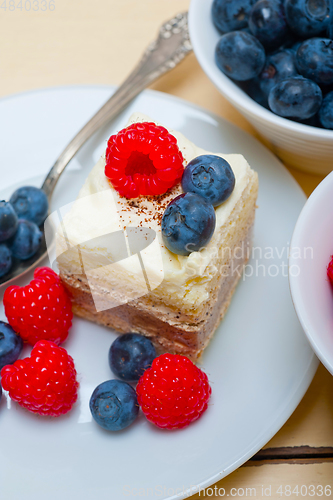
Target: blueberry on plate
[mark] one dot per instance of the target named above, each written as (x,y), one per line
(114,405)
(5,259)
(314,60)
(239,55)
(326,112)
(307,17)
(8,221)
(10,345)
(30,203)
(130,355)
(209,176)
(26,241)
(268,24)
(295,97)
(188,224)
(231,15)
(278,66)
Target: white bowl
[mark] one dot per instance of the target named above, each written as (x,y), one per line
(304,147)
(310,252)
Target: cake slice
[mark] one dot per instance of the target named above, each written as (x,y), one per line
(113,260)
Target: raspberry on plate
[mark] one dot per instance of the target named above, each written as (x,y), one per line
(45,383)
(173,392)
(143,159)
(40,310)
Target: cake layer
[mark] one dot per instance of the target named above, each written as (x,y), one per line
(187,281)
(170,330)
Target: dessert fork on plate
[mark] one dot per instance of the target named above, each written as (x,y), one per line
(162,55)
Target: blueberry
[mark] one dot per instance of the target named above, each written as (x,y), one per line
(5,259)
(330,24)
(209,176)
(295,97)
(8,221)
(231,15)
(239,55)
(307,17)
(130,355)
(268,23)
(30,203)
(326,111)
(10,345)
(114,405)
(313,121)
(252,88)
(26,241)
(278,66)
(188,224)
(314,60)
(296,45)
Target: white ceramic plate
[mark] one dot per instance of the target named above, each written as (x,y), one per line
(259,363)
(310,252)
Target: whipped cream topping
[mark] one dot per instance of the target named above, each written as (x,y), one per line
(100,210)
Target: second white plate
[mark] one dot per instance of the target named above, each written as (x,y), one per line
(259,362)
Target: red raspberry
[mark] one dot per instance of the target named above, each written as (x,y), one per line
(330,270)
(143,159)
(40,310)
(173,392)
(45,383)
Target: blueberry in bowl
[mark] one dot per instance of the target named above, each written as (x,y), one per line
(231,15)
(314,60)
(278,66)
(295,97)
(268,24)
(239,55)
(326,111)
(307,18)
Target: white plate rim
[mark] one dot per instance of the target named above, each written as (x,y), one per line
(309,373)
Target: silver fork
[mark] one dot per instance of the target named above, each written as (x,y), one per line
(162,55)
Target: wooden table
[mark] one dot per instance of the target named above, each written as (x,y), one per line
(85,42)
